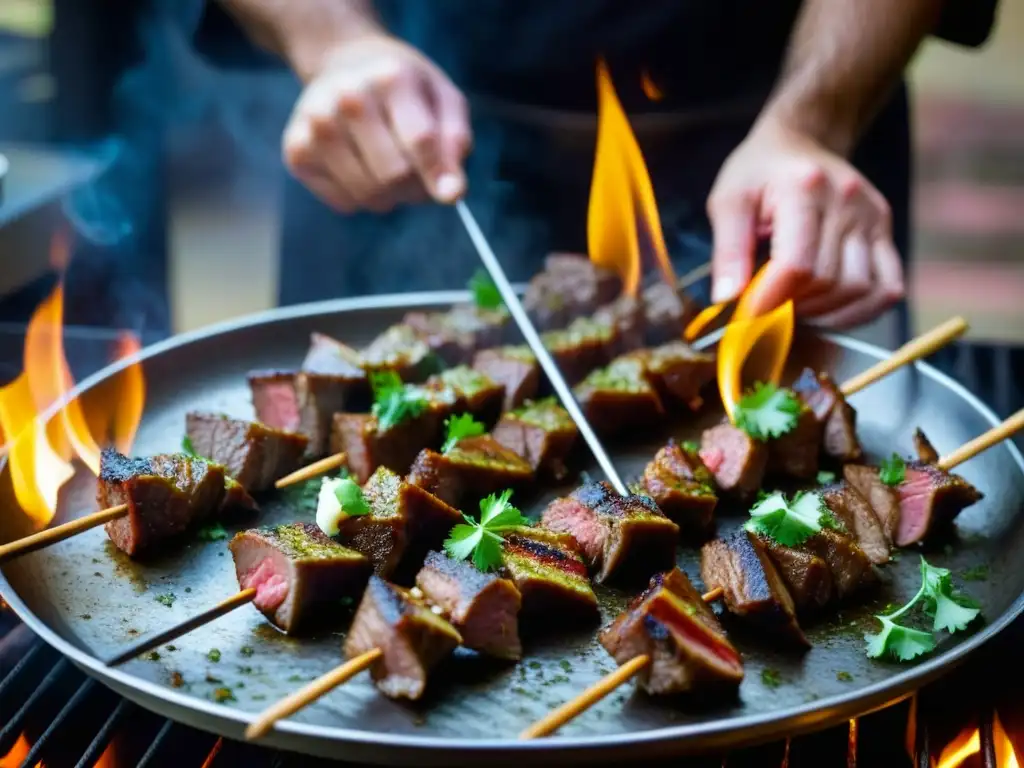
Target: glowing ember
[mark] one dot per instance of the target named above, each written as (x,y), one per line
(967,743)
(651,89)
(621,196)
(213,753)
(44,432)
(109,757)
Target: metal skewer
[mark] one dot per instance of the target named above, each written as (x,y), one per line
(550,367)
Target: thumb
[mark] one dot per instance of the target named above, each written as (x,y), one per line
(454,140)
(734,229)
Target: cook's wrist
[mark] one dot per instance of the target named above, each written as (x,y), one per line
(822,119)
(309,53)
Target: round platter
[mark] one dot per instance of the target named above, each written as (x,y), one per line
(88,601)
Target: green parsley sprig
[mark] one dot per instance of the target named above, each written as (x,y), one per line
(459,427)
(949,610)
(825,478)
(393,401)
(485,293)
(767,411)
(790,522)
(892,471)
(189,450)
(482,540)
(350,496)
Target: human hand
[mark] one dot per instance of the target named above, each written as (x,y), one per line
(378,125)
(832,250)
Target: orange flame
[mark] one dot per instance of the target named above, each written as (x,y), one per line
(910,739)
(851,745)
(17,754)
(1006,756)
(651,89)
(621,195)
(967,743)
(44,431)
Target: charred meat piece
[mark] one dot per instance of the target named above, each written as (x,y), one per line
(929,499)
(671,625)
(667,312)
(412,638)
(750,583)
(737,460)
(580,348)
(404,523)
(300,574)
(569,286)
(470,470)
(683,488)
(368,446)
(484,608)
(620,397)
(475,392)
(455,335)
(236,498)
(850,567)
(854,512)
(514,368)
(839,418)
(166,495)
(541,432)
(880,497)
(806,575)
(678,372)
(621,537)
(331,381)
(252,453)
(275,399)
(625,318)
(550,574)
(926,452)
(400,349)
(795,454)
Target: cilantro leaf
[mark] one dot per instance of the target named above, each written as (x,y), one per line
(825,478)
(902,643)
(463,425)
(482,540)
(213,532)
(790,523)
(485,293)
(893,471)
(189,450)
(393,401)
(690,446)
(949,610)
(351,498)
(767,411)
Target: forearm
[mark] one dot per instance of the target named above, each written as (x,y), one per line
(304,31)
(843,61)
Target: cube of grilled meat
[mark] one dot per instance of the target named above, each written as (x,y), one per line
(404,523)
(670,624)
(839,418)
(930,498)
(580,348)
(515,368)
(926,452)
(625,318)
(274,399)
(252,453)
(455,335)
(667,311)
(300,575)
(678,372)
(795,453)
(683,488)
(750,583)
(411,637)
(806,575)
(737,460)
(472,469)
(400,349)
(484,608)
(367,446)
(166,495)
(619,397)
(541,432)
(854,512)
(880,497)
(475,392)
(332,380)
(569,286)
(621,537)
(550,574)
(850,567)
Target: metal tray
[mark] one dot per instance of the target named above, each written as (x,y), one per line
(88,601)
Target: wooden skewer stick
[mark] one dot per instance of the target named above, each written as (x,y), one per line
(575,707)
(915,349)
(306,696)
(61,532)
(983,442)
(237,600)
(312,470)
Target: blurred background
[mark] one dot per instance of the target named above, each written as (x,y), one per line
(206,217)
